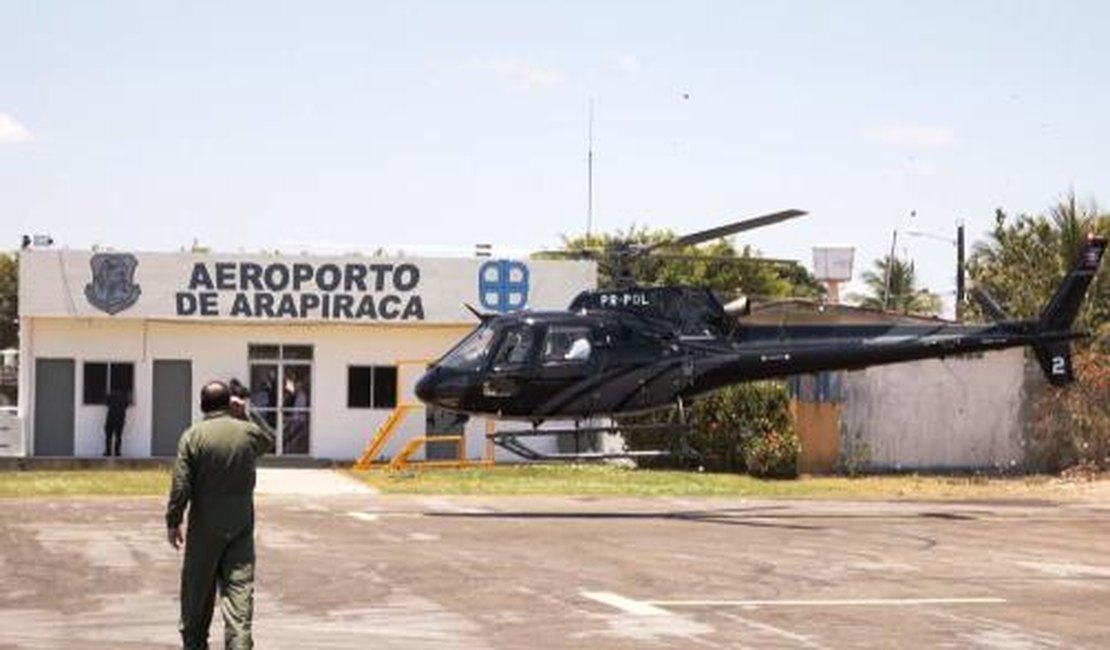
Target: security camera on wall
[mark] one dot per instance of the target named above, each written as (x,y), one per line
(37,241)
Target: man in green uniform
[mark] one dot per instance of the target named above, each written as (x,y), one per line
(214,476)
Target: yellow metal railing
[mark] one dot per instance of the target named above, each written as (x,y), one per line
(384,433)
(403,459)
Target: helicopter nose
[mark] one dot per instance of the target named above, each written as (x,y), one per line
(442,388)
(426,387)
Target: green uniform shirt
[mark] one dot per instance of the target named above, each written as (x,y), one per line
(214,474)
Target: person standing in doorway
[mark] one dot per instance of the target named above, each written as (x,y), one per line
(213,476)
(117,401)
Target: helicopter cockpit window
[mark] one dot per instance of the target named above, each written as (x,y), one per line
(515,348)
(566,345)
(471,353)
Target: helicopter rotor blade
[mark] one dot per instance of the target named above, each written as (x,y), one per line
(574,254)
(732,259)
(725,231)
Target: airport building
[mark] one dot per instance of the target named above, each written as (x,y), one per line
(328,346)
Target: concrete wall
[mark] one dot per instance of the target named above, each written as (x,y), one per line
(956,413)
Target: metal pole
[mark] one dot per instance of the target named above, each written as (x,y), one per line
(889,270)
(959,270)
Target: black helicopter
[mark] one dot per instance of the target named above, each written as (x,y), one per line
(636,349)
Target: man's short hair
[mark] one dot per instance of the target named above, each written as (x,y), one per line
(215,396)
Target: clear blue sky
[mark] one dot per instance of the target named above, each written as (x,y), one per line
(261,125)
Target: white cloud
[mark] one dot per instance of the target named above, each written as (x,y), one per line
(518,74)
(917,136)
(623,61)
(913,168)
(12,131)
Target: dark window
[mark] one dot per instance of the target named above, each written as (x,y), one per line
(300,352)
(359,383)
(566,344)
(262,351)
(385,387)
(371,387)
(121,376)
(516,348)
(102,377)
(96,383)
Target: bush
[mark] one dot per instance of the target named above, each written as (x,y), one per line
(1071,425)
(773,455)
(741,427)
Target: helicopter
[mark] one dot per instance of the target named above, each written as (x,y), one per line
(630,350)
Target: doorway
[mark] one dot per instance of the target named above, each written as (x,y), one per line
(171,405)
(281,393)
(55,383)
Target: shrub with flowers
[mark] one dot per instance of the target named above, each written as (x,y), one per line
(773,454)
(741,427)
(1071,425)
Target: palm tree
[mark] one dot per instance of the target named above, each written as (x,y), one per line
(892,286)
(1024,258)
(1073,223)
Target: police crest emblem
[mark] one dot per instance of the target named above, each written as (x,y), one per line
(113,287)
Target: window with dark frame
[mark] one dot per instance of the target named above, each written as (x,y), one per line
(102,377)
(371,387)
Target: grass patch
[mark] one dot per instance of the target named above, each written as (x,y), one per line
(589,480)
(601,480)
(97,482)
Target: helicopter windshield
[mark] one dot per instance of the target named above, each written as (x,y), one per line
(471,353)
(515,349)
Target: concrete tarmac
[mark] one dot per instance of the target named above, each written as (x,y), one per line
(393,572)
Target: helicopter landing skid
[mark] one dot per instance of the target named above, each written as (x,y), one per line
(511,441)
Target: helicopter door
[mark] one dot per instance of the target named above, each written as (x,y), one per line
(567,352)
(510,368)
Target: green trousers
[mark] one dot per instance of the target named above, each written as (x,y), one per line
(213,561)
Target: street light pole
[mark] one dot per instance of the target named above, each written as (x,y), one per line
(889,270)
(958,242)
(960,271)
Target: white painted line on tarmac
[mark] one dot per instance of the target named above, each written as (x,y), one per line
(364,516)
(441,505)
(767,628)
(626,605)
(853,602)
(657,607)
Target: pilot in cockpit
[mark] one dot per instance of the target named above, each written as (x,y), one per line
(579,350)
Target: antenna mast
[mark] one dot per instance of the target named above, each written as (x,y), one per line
(590,172)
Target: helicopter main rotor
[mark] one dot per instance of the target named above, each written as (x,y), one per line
(622,252)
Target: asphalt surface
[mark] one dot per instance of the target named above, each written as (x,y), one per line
(365,570)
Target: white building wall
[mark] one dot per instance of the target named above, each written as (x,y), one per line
(936,414)
(91,340)
(59,320)
(219,351)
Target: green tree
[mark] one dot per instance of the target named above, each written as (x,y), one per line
(9,300)
(1025,258)
(892,286)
